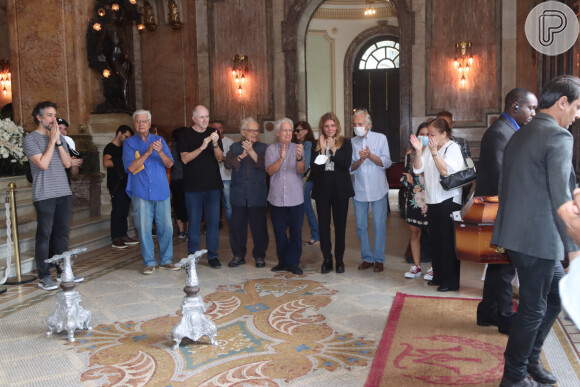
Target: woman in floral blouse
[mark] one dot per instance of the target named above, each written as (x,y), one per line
(416,208)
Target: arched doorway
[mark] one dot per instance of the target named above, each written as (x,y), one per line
(294,30)
(375,86)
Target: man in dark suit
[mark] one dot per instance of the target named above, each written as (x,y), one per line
(519,109)
(537,178)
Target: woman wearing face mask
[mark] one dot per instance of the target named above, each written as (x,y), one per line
(330,164)
(303,135)
(441,157)
(415,206)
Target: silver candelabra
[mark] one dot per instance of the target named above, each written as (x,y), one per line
(193,324)
(69,315)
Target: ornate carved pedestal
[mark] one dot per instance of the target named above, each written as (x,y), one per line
(69,315)
(193,324)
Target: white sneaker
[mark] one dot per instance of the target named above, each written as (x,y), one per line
(414,272)
(429,275)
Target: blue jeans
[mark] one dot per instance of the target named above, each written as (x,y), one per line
(209,201)
(309,212)
(226,199)
(144,213)
(288,220)
(361,210)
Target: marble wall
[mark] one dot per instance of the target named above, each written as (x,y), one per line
(48,59)
(169,68)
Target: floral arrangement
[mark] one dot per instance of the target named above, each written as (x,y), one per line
(12,156)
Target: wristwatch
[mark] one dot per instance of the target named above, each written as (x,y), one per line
(58,144)
(300,159)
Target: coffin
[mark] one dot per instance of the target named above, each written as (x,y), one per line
(473,231)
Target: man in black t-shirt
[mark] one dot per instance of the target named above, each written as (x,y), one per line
(117,184)
(201,150)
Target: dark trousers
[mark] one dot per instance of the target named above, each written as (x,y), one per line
(287,224)
(446,267)
(178,197)
(121,203)
(339,209)
(497,304)
(53,224)
(538,308)
(256,216)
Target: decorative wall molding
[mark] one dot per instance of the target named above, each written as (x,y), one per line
(346,14)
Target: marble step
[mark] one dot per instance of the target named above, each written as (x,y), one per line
(92,241)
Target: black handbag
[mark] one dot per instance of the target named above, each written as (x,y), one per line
(461,178)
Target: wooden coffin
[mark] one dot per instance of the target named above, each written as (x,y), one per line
(473,232)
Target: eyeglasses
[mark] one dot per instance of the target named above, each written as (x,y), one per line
(142,121)
(297,130)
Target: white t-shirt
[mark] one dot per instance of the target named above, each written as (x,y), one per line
(450,153)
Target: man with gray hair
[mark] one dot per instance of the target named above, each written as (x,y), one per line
(248,194)
(145,157)
(370,159)
(201,150)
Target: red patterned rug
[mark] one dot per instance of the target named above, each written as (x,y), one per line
(435,341)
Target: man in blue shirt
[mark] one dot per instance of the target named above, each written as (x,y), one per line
(370,158)
(145,157)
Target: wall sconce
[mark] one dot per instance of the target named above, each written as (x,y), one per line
(463,60)
(239,71)
(115,7)
(370,8)
(5,77)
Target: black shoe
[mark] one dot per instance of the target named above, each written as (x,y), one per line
(340,268)
(237,261)
(214,263)
(260,262)
(485,323)
(525,382)
(326,267)
(432,283)
(279,267)
(540,374)
(446,289)
(295,270)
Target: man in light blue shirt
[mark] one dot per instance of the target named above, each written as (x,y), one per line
(145,157)
(370,159)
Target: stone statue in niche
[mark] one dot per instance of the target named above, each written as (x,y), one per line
(108,48)
(173,14)
(112,49)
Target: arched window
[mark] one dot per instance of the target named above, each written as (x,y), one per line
(380,55)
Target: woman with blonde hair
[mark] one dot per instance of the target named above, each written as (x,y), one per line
(330,170)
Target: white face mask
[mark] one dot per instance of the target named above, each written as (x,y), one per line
(360,131)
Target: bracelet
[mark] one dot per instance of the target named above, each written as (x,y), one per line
(436,154)
(300,159)
(216,146)
(58,144)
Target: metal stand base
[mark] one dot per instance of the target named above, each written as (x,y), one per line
(24,279)
(193,324)
(69,314)
(3,289)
